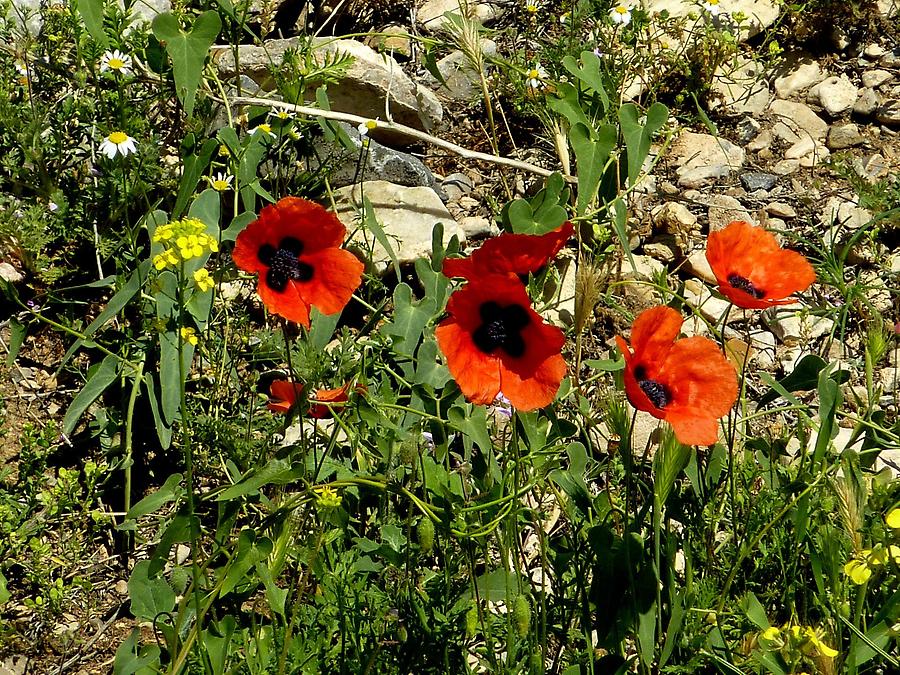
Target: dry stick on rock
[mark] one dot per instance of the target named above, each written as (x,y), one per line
(408,131)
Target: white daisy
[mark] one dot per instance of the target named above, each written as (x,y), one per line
(534,78)
(116,61)
(712,6)
(118,142)
(620,14)
(365,127)
(22,72)
(282,115)
(564,18)
(221,182)
(263,129)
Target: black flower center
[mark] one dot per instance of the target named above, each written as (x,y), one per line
(501,328)
(743,284)
(658,393)
(284,263)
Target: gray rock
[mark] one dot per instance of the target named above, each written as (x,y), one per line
(786,167)
(663,248)
(461,81)
(9,273)
(836,94)
(760,14)
(478,227)
(147,10)
(702,158)
(370,81)
(724,209)
(871,167)
(844,213)
(889,112)
(799,119)
(872,79)
(430,13)
(456,185)
(867,103)
(843,136)
(780,210)
(762,142)
(406,214)
(27,14)
(382,163)
(756,180)
(748,129)
(793,324)
(801,73)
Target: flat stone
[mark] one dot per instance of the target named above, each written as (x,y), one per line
(844,213)
(430,14)
(793,324)
(872,167)
(799,118)
(757,180)
(370,81)
(711,308)
(645,268)
(697,265)
(762,142)
(478,227)
(875,78)
(802,73)
(786,167)
(867,103)
(461,81)
(888,8)
(393,40)
(780,210)
(673,218)
(889,112)
(842,136)
(406,214)
(748,129)
(663,248)
(382,163)
(702,158)
(725,209)
(9,273)
(836,94)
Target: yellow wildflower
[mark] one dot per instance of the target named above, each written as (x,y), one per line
(893,519)
(184,240)
(858,571)
(189,335)
(327,497)
(203,280)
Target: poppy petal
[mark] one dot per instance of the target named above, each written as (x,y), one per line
(694,430)
(336,275)
(699,377)
(288,303)
(633,391)
(533,389)
(304,220)
(284,395)
(510,254)
(477,374)
(653,332)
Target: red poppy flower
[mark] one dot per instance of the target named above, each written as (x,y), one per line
(495,342)
(753,271)
(510,254)
(284,395)
(688,383)
(334,397)
(294,247)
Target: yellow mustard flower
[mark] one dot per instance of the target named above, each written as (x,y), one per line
(893,519)
(183,240)
(203,280)
(189,335)
(327,497)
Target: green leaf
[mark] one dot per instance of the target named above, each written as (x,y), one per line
(132,660)
(370,222)
(217,645)
(669,461)
(410,319)
(188,51)
(496,586)
(566,103)
(194,166)
(150,595)
(591,155)
(163,431)
(471,420)
(92,14)
(804,377)
(276,472)
(829,401)
(4,593)
(100,377)
(638,137)
(275,595)
(238,223)
(754,610)
(248,553)
(169,491)
(17,332)
(588,72)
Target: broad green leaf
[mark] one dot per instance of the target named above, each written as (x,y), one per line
(322,328)
(92,14)
(804,377)
(829,402)
(275,595)
(370,222)
(276,472)
(4,593)
(163,431)
(754,610)
(237,225)
(100,377)
(188,51)
(194,166)
(17,332)
(496,586)
(471,420)
(566,103)
(150,595)
(637,136)
(410,319)
(591,155)
(216,640)
(588,72)
(168,492)
(249,552)
(133,660)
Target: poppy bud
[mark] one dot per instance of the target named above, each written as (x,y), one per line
(471,620)
(425,533)
(521,615)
